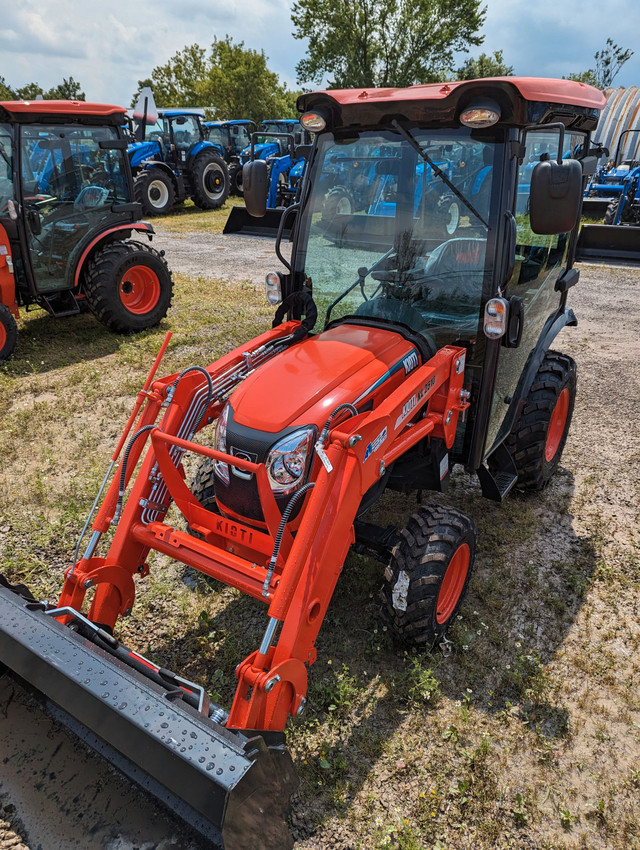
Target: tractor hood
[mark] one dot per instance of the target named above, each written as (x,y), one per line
(304,384)
(298,390)
(261,151)
(140,151)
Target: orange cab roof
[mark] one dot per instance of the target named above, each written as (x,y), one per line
(59,107)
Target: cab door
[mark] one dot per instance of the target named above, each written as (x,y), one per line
(69,185)
(540,260)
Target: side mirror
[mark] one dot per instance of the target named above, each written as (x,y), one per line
(303,151)
(255,187)
(35,222)
(297,138)
(556,195)
(589,165)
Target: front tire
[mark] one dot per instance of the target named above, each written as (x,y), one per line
(338,201)
(154,189)
(428,575)
(8,333)
(210,177)
(541,432)
(128,286)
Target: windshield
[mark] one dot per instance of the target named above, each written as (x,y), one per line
(397,236)
(6,169)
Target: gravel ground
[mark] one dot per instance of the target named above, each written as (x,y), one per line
(78,803)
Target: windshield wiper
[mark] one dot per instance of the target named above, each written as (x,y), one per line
(438,171)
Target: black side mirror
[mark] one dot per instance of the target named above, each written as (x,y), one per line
(35,222)
(556,195)
(303,151)
(255,187)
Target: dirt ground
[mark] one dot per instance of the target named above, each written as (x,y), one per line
(55,797)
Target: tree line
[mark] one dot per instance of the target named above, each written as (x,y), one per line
(351,44)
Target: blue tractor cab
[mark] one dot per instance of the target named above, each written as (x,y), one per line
(172,159)
(230,138)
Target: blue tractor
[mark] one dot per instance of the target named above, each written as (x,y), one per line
(282,145)
(230,138)
(172,159)
(610,182)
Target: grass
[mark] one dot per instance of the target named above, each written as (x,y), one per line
(525,734)
(188,218)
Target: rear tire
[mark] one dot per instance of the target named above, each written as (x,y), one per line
(8,333)
(339,201)
(611,213)
(537,442)
(128,286)
(428,575)
(154,189)
(210,178)
(235,179)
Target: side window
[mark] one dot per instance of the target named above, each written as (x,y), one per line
(6,169)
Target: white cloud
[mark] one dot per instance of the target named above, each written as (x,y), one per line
(108,45)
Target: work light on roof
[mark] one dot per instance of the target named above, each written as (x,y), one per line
(315,122)
(482,113)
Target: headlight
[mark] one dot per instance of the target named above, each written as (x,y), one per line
(288,461)
(221,468)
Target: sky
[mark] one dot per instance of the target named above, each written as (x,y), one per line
(108,46)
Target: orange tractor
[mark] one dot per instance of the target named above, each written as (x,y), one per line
(67,218)
(397,351)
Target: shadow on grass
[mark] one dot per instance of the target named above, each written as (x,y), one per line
(46,343)
(532,575)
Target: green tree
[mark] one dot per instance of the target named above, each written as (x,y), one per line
(177,82)
(485,66)
(609,61)
(238,84)
(67,90)
(383,42)
(29,92)
(231,80)
(6,92)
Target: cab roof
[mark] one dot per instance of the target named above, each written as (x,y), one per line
(523,100)
(28,111)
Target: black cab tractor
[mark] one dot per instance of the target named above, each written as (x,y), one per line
(397,352)
(172,159)
(67,218)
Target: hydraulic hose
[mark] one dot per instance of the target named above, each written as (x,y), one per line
(293,501)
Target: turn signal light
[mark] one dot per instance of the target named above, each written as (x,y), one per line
(496,315)
(273,288)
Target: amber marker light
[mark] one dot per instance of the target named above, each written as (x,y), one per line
(496,313)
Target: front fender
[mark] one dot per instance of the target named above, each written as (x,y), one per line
(138,226)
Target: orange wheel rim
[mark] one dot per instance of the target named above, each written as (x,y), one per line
(139,289)
(3,336)
(557,425)
(453,583)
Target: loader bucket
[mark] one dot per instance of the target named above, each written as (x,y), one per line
(241,222)
(595,207)
(609,242)
(230,786)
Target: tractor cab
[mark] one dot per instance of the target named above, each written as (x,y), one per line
(229,137)
(431,212)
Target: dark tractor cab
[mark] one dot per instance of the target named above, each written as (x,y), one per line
(66,217)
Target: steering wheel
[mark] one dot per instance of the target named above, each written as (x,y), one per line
(400,285)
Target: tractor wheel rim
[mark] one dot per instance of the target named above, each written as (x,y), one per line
(557,425)
(453,218)
(158,194)
(213,180)
(343,206)
(139,289)
(453,583)
(3,336)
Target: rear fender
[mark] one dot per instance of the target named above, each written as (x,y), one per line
(201,146)
(555,323)
(108,236)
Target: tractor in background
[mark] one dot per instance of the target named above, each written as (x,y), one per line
(282,145)
(230,138)
(67,218)
(172,159)
(610,181)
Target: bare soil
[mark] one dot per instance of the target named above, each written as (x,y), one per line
(551,763)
